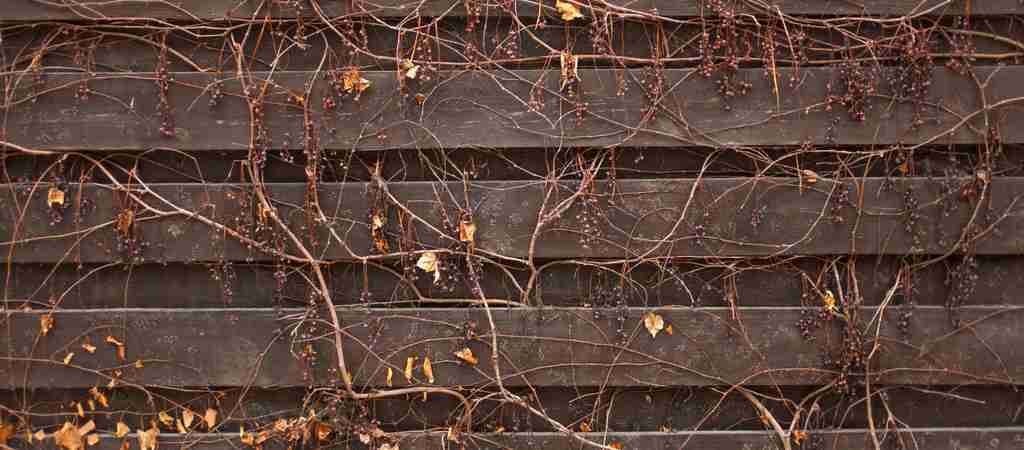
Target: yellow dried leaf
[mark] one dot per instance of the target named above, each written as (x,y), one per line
(78,408)
(467,231)
(467,356)
(829,300)
(121,430)
(138,363)
(120,346)
(88,347)
(409,362)
(165,418)
(187,417)
(799,437)
(39,435)
(585,427)
(668,329)
(180,427)
(654,323)
(410,70)
(353,81)
(210,417)
(92,405)
(391,373)
(68,437)
(147,439)
(427,262)
(67,359)
(428,370)
(92,439)
(45,324)
(55,197)
(568,10)
(87,428)
(99,396)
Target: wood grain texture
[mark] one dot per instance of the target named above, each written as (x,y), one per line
(999,438)
(618,409)
(685,283)
(493,110)
(543,347)
(35,10)
(642,219)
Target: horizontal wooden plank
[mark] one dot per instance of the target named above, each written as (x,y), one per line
(931,438)
(544,347)
(641,219)
(634,409)
(758,282)
(517,109)
(33,10)
(116,49)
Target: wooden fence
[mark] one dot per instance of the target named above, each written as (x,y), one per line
(511,224)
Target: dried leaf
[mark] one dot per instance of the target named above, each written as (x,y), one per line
(353,81)
(180,426)
(138,363)
(409,362)
(67,359)
(165,418)
(568,10)
(87,428)
(427,262)
(125,445)
(210,417)
(829,300)
(55,197)
(78,407)
(39,435)
(391,373)
(467,231)
(799,437)
(654,323)
(120,346)
(420,99)
(428,370)
(467,356)
(281,426)
(347,377)
(92,405)
(6,431)
(616,445)
(99,396)
(88,347)
(125,219)
(809,176)
(68,437)
(668,329)
(45,324)
(121,430)
(409,70)
(147,439)
(92,439)
(187,417)
(323,431)
(585,427)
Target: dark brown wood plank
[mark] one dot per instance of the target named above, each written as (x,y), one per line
(758,282)
(544,347)
(640,220)
(634,409)
(33,10)
(931,438)
(492,109)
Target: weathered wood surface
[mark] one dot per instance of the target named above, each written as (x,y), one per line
(618,409)
(492,109)
(685,283)
(36,10)
(123,50)
(999,438)
(642,219)
(545,347)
